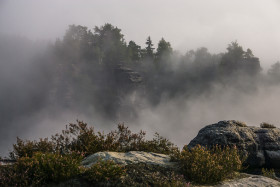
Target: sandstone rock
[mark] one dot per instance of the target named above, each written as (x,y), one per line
(262,145)
(132,157)
(252,181)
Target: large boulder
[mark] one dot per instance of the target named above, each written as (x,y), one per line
(261,145)
(132,157)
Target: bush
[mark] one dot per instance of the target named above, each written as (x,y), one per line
(55,160)
(203,165)
(10,176)
(152,175)
(26,148)
(80,138)
(104,172)
(270,173)
(40,169)
(267,125)
(161,145)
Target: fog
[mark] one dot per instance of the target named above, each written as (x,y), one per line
(187,24)
(45,84)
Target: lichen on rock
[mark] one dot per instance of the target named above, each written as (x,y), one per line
(132,157)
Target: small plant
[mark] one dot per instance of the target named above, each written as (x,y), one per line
(104,172)
(267,125)
(270,173)
(206,166)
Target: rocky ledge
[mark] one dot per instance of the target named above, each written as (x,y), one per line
(148,163)
(261,145)
(252,181)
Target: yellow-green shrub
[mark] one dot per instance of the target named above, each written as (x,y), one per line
(40,169)
(104,171)
(203,165)
(270,173)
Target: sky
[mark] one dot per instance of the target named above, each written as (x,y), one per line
(186,24)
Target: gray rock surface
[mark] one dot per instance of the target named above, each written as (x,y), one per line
(252,181)
(131,157)
(261,145)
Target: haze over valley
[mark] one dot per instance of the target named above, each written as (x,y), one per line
(170,67)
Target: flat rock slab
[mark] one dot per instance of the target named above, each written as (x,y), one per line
(132,157)
(251,181)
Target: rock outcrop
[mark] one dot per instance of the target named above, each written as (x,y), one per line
(132,157)
(252,181)
(261,145)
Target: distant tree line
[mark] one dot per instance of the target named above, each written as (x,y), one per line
(79,71)
(86,60)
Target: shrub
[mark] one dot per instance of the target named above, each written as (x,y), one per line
(44,161)
(123,140)
(26,148)
(267,125)
(142,174)
(80,138)
(10,176)
(104,172)
(270,173)
(40,169)
(170,180)
(161,145)
(203,165)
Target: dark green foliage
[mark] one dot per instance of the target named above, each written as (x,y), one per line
(79,138)
(206,166)
(105,172)
(46,162)
(134,51)
(164,50)
(58,160)
(152,175)
(238,60)
(160,144)
(149,53)
(28,148)
(41,168)
(82,139)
